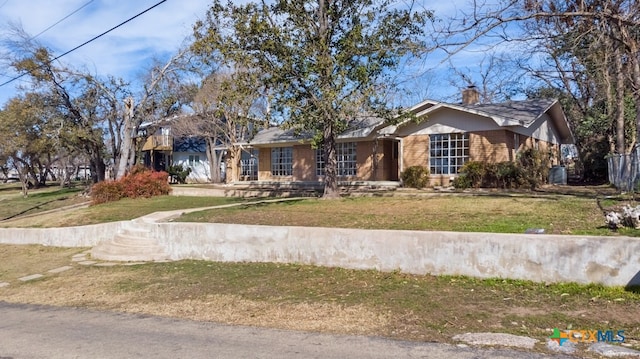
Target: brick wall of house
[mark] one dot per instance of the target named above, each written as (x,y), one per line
(487,146)
(415,151)
(543,146)
(491,146)
(304,163)
(264,164)
(363,162)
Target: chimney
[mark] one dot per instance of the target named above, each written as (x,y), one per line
(470,96)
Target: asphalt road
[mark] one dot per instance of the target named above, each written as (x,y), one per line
(28,331)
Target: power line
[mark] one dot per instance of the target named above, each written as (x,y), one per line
(56,23)
(63,19)
(86,42)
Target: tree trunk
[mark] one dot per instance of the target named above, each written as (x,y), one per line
(32,173)
(635,63)
(331,163)
(329,140)
(24,177)
(620,140)
(214,161)
(234,161)
(126,147)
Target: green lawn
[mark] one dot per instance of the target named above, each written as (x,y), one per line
(464,213)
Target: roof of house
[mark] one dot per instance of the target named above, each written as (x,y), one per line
(512,113)
(360,127)
(521,113)
(165,120)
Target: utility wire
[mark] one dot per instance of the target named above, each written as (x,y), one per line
(63,19)
(56,23)
(86,42)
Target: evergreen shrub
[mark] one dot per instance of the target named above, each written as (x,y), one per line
(415,177)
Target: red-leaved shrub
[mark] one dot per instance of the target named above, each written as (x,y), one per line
(106,191)
(141,182)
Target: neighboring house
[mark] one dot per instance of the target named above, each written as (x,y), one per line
(161,150)
(444,137)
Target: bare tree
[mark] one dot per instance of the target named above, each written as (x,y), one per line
(498,78)
(588,49)
(227,111)
(150,105)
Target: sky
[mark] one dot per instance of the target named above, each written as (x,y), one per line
(124,52)
(127,51)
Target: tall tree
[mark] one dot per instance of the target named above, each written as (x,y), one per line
(323,61)
(70,93)
(27,137)
(75,97)
(154,103)
(228,105)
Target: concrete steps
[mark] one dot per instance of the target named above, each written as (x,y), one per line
(131,244)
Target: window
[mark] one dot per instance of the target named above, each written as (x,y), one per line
(345,156)
(194,160)
(447,153)
(281,161)
(249,165)
(320,161)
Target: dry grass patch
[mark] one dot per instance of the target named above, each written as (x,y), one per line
(19,261)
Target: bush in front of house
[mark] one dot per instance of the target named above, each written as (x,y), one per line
(461,182)
(509,175)
(474,172)
(530,170)
(179,173)
(535,166)
(106,191)
(415,177)
(141,182)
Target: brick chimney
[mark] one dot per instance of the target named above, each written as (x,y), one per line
(470,96)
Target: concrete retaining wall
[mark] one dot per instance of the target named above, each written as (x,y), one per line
(81,236)
(542,258)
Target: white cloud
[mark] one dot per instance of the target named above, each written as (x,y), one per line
(124,51)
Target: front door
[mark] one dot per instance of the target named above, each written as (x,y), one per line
(395,150)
